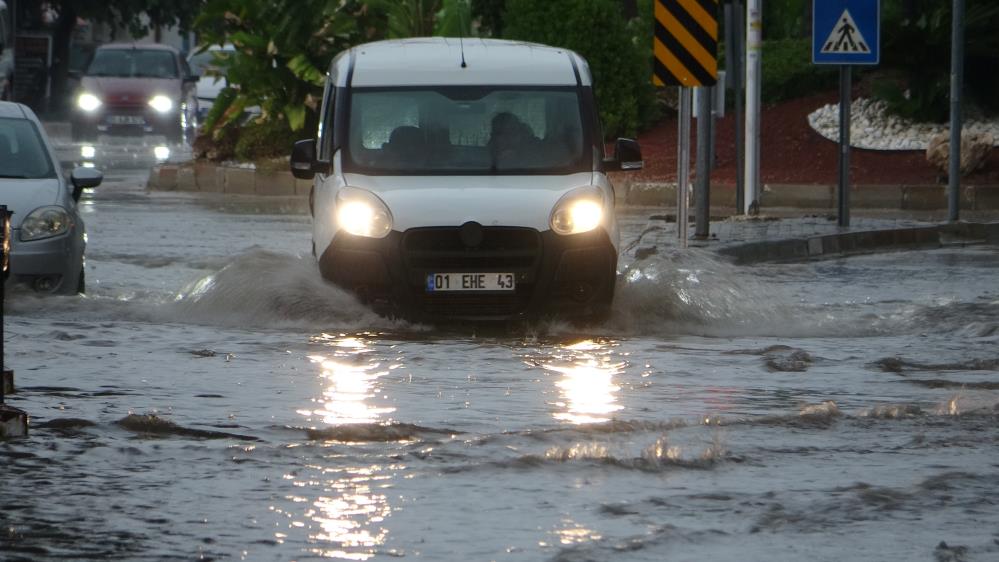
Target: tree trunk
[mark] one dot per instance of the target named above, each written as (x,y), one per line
(60,57)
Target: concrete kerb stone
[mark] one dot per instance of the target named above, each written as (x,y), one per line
(186,180)
(240,181)
(274,182)
(798,195)
(847,243)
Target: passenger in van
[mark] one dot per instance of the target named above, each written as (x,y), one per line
(511,140)
(405,149)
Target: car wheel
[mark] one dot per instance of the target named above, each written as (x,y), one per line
(175,134)
(81,284)
(81,132)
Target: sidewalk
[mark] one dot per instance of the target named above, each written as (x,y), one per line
(773,239)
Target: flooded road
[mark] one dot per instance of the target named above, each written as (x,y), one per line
(211,397)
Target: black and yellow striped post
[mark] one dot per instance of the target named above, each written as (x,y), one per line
(685,43)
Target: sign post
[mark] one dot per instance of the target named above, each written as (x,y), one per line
(684,44)
(13,421)
(845,33)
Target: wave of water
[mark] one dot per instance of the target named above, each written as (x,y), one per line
(693,292)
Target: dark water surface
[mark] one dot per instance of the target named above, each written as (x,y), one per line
(212,398)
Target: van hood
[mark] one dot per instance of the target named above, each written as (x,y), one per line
(421,201)
(23,196)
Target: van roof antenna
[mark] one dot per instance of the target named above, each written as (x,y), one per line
(461,35)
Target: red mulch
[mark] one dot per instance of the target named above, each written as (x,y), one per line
(792,153)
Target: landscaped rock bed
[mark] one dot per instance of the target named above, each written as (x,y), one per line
(873,128)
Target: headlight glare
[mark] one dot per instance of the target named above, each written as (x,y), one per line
(88,102)
(577,213)
(161,103)
(45,222)
(362,213)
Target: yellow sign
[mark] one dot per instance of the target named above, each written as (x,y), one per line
(686,39)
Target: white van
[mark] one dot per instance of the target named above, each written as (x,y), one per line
(464,180)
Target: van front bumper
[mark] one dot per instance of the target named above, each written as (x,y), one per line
(556,276)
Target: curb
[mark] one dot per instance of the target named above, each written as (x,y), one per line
(849,243)
(820,196)
(206,177)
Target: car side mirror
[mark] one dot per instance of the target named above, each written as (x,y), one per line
(83,178)
(303,160)
(627,156)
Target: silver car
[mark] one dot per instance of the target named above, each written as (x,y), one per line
(47,233)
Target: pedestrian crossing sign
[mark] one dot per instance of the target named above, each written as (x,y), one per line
(846,31)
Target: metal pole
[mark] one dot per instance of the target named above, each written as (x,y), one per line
(754,46)
(4,217)
(712,121)
(701,193)
(843,197)
(956,84)
(683,167)
(738,81)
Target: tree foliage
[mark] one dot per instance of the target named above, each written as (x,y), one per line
(916,39)
(619,55)
(282,51)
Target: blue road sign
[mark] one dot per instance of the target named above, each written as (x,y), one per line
(846,31)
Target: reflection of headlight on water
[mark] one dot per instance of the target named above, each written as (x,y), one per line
(161,152)
(88,151)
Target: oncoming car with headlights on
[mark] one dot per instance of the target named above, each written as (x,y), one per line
(47,233)
(135,88)
(464,180)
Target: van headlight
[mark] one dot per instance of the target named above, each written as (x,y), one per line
(87,101)
(45,222)
(161,103)
(362,213)
(578,211)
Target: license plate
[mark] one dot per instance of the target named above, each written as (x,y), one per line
(126,120)
(443,282)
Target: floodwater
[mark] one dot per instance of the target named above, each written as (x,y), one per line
(212,398)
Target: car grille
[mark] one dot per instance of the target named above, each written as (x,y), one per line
(442,249)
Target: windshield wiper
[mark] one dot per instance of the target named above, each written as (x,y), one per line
(7,176)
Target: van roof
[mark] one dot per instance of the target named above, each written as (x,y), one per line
(436,61)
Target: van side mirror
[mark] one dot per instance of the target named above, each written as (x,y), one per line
(627,156)
(303,160)
(82,178)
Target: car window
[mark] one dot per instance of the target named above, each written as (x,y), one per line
(205,61)
(128,63)
(467,130)
(22,152)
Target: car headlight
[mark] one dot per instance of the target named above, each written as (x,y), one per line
(87,101)
(45,222)
(578,211)
(161,103)
(362,213)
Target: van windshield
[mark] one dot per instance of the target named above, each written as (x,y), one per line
(466,130)
(130,63)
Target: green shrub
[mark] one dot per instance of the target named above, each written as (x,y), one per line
(788,71)
(916,39)
(263,140)
(597,30)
